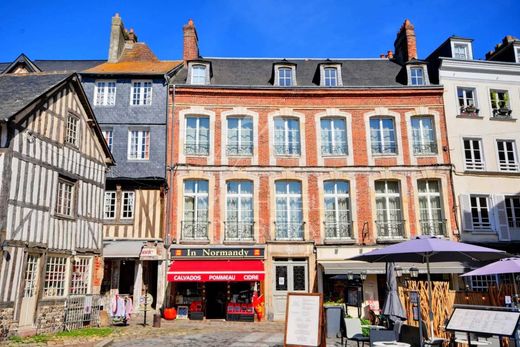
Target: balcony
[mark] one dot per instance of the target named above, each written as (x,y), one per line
(239,231)
(425,148)
(390,230)
(338,231)
(433,227)
(289,230)
(386,149)
(287,149)
(201,148)
(336,150)
(195,230)
(243,149)
(502,113)
(469,111)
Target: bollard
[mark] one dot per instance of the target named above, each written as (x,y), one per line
(156,320)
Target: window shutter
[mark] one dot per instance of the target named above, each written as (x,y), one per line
(500,214)
(465,212)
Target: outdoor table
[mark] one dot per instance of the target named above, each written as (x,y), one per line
(391,344)
(473,342)
(376,327)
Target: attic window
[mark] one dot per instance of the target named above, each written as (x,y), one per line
(285,77)
(198,74)
(461,50)
(417,76)
(517,54)
(331,76)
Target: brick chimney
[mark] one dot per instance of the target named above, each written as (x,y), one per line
(191,42)
(131,36)
(117,39)
(405,45)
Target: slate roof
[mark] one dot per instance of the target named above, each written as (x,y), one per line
(18,91)
(60,65)
(260,72)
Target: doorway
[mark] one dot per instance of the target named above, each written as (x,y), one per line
(216,300)
(290,275)
(30,290)
(127,277)
(150,278)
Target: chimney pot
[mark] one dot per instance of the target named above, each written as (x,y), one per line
(382,56)
(390,54)
(191,42)
(405,44)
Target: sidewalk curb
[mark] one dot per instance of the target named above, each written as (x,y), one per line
(104,343)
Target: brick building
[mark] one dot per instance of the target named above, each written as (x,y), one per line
(299,164)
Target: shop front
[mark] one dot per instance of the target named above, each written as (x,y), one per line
(217,282)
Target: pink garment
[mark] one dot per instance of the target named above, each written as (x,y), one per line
(129,307)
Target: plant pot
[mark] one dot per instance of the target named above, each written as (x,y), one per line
(334,315)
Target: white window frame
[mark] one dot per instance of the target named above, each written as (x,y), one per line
(289,147)
(482,283)
(278,77)
(517,54)
(65,198)
(416,80)
(105,94)
(55,283)
(465,98)
(472,164)
(506,165)
(513,219)
(330,81)
(141,95)
(429,195)
(332,144)
(195,195)
(467,46)
(81,275)
(197,143)
(141,147)
(387,195)
(240,196)
(127,204)
(287,196)
(498,101)
(110,204)
(337,196)
(108,134)
(476,227)
(239,143)
(422,140)
(72,130)
(379,129)
(198,79)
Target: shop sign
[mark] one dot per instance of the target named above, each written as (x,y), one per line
(148,253)
(215,277)
(222,252)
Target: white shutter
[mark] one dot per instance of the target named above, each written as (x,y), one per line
(465,212)
(500,214)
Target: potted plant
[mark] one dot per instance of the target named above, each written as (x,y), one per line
(334,313)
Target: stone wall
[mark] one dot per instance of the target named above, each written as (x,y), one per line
(50,316)
(8,325)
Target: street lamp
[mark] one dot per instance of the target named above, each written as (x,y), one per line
(414,272)
(350,276)
(398,271)
(363,275)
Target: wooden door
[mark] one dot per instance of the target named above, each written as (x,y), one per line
(30,291)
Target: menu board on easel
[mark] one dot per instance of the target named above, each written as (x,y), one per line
(303,319)
(495,322)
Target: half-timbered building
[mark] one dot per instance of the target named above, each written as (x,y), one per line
(53,161)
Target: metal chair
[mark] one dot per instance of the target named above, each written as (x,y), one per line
(354,331)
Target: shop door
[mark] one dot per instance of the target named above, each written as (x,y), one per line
(289,276)
(30,291)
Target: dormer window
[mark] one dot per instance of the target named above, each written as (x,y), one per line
(517,54)
(285,76)
(198,74)
(331,77)
(461,50)
(417,76)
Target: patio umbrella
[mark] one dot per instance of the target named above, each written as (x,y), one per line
(429,249)
(503,266)
(393,307)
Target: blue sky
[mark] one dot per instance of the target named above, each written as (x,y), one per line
(76,29)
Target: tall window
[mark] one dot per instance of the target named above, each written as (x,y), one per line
(430,208)
(55,277)
(417,76)
(128,205)
(108,134)
(141,93)
(289,213)
(513,211)
(480,212)
(500,103)
(239,203)
(388,210)
(110,205)
(240,136)
(467,100)
(382,135)
(198,74)
(285,78)
(460,51)
(72,131)
(333,136)
(331,76)
(473,158)
(337,210)
(195,223)
(105,93)
(507,158)
(139,144)
(423,134)
(64,198)
(80,281)
(286,136)
(197,136)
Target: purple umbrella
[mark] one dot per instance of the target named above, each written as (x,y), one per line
(503,266)
(429,249)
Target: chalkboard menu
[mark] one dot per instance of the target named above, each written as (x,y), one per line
(303,319)
(501,323)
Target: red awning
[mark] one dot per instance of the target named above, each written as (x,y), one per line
(216,271)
